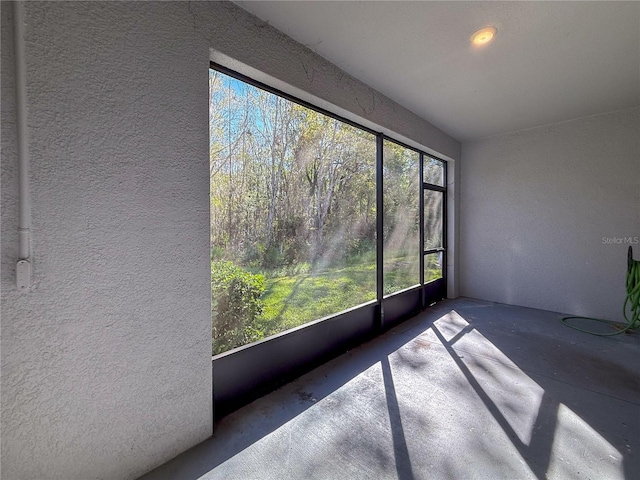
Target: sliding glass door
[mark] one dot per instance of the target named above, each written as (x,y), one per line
(434,201)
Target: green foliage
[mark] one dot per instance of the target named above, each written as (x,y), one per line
(236,306)
(359,248)
(288,184)
(293,199)
(293,300)
(270,257)
(217,253)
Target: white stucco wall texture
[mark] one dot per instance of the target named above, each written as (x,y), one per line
(538,209)
(106,360)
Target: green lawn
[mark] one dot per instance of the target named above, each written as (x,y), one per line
(292,300)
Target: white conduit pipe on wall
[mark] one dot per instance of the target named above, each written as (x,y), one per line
(23,268)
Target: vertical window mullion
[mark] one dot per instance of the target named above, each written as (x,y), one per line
(421,229)
(379,229)
(444,225)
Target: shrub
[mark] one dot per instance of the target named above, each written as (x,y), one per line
(217,253)
(360,250)
(236,305)
(271,257)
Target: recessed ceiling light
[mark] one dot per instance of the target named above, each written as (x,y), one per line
(483,36)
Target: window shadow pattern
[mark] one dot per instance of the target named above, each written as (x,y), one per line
(555,404)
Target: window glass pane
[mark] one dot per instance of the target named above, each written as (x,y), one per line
(432,267)
(293,214)
(433,213)
(401,217)
(433,171)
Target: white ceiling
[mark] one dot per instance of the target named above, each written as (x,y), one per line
(550,61)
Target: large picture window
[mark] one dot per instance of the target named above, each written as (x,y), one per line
(323,233)
(314,217)
(293,214)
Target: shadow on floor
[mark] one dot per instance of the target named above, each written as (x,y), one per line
(561,361)
(537,453)
(400,450)
(232,435)
(546,386)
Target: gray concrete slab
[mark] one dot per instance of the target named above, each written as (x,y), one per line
(466,390)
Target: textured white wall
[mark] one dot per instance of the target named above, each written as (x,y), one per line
(106,361)
(535,206)
(106,366)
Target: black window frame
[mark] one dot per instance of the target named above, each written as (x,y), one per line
(248,372)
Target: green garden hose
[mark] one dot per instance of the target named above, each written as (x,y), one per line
(632,299)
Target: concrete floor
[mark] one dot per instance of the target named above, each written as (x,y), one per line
(466,390)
